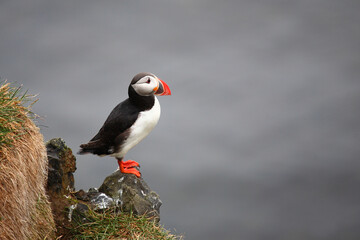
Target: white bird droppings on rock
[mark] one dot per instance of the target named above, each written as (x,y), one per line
(121,179)
(102,201)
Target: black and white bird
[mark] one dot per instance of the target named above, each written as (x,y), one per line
(129,122)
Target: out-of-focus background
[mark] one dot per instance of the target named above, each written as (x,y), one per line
(261,137)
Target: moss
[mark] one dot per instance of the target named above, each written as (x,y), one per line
(112,224)
(13,113)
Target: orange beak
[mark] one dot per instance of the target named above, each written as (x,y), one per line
(163,88)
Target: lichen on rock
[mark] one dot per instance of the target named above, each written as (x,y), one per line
(60,184)
(132,194)
(62,165)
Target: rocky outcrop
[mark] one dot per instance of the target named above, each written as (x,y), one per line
(131,194)
(60,184)
(125,192)
(62,165)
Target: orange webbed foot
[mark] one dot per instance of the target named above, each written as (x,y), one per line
(130,164)
(129,167)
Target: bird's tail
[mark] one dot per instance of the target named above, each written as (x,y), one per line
(83,151)
(88,147)
(94,147)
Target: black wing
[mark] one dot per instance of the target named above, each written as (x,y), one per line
(114,131)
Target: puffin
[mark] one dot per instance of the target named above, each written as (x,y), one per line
(129,122)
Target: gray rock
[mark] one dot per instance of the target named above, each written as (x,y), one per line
(132,194)
(60,183)
(62,165)
(102,201)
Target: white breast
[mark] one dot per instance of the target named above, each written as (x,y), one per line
(146,122)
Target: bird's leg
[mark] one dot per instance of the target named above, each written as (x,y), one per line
(129,167)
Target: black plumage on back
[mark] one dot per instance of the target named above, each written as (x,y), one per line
(116,128)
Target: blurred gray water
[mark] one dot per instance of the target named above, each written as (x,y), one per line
(260,139)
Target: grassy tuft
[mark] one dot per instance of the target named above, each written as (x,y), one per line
(25,212)
(112,224)
(14,110)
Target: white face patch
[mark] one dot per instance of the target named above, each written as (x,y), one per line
(146,85)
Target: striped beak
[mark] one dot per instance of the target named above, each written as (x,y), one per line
(163,88)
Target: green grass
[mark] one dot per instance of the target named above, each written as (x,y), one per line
(14,109)
(117,225)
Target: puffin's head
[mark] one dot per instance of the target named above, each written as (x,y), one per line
(147,84)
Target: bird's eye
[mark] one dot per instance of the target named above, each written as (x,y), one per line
(148,81)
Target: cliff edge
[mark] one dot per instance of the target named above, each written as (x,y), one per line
(123,207)
(25,212)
